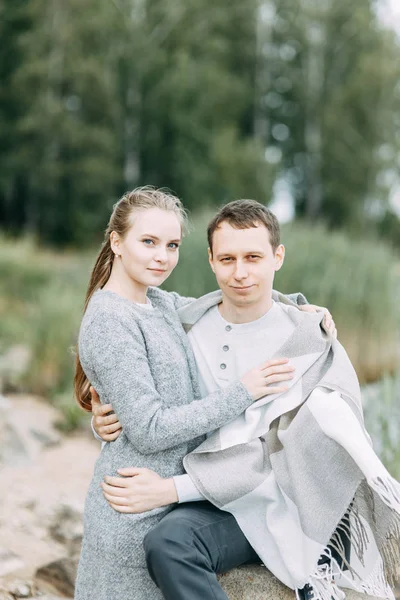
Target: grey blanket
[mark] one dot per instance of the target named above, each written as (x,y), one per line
(298,472)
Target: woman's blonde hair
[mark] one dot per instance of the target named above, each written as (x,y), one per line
(141,198)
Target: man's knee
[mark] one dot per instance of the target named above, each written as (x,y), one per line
(166,539)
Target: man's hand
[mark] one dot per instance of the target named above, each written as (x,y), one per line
(328,322)
(138,490)
(105,421)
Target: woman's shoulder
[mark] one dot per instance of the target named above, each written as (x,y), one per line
(106,307)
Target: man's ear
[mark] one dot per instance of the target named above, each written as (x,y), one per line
(210,259)
(279,256)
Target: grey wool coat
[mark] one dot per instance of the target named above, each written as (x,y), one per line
(140,360)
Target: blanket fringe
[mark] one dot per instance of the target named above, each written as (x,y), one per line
(388,489)
(323,583)
(352,527)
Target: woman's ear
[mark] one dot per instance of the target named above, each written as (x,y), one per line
(115,242)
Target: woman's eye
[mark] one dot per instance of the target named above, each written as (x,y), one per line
(148,242)
(173,245)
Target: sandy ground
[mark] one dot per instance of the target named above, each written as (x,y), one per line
(36,482)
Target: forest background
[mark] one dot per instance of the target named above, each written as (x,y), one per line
(295,103)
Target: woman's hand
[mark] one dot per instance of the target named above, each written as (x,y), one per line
(105,421)
(259,381)
(138,490)
(328,322)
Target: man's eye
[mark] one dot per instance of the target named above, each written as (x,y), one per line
(227,259)
(254,256)
(148,242)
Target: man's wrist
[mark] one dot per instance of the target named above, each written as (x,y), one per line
(169,495)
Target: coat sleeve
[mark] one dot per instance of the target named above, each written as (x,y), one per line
(116,355)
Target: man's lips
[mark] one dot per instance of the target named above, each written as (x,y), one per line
(242,287)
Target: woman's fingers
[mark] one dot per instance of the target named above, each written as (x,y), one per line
(114,491)
(116,500)
(276,378)
(117,481)
(269,391)
(275,363)
(123,509)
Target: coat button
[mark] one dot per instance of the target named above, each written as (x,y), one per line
(228,328)
(222,366)
(225,348)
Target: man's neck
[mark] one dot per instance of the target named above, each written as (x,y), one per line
(244,314)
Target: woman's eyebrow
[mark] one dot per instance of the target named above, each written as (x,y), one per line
(154,237)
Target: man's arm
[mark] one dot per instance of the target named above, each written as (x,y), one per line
(141,490)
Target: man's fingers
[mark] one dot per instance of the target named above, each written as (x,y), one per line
(109,419)
(107,429)
(308,308)
(101,410)
(117,481)
(112,436)
(95,398)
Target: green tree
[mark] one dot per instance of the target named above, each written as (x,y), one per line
(333,76)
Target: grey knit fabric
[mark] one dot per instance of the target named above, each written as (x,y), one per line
(140,360)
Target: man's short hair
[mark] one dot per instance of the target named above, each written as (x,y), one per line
(243,214)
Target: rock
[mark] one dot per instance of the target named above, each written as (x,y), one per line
(61,574)
(13,450)
(14,363)
(67,528)
(9,562)
(48,440)
(21,589)
(4,595)
(255,582)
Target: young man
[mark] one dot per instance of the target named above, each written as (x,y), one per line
(241,326)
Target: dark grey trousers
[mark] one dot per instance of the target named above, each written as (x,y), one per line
(194,542)
(189,546)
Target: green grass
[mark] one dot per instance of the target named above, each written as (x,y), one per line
(356,279)
(42,293)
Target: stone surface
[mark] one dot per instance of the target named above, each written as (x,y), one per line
(9,562)
(67,527)
(21,589)
(257,583)
(60,574)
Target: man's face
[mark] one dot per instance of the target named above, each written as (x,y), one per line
(244,263)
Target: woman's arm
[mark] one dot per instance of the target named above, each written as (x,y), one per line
(117,354)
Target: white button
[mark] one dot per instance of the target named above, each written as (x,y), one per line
(222,366)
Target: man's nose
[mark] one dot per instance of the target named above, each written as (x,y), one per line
(240,271)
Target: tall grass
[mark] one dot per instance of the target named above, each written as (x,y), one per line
(358,280)
(42,293)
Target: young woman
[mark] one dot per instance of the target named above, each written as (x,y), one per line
(133,350)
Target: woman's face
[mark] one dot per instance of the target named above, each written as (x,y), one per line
(150,250)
